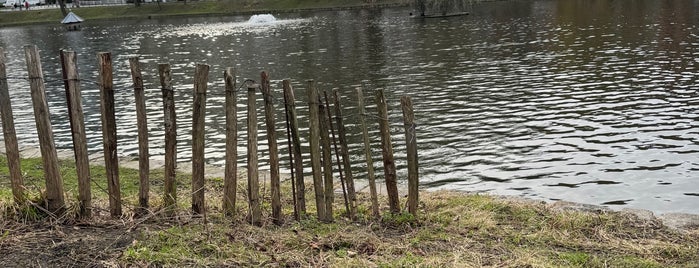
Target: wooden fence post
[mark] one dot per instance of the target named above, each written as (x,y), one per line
(170,125)
(329,194)
(300,188)
(314,142)
(142,123)
(344,151)
(389,166)
(367,153)
(201,77)
(77,126)
(231,172)
(8,130)
(337,154)
(109,132)
(273,151)
(253,174)
(411,143)
(55,201)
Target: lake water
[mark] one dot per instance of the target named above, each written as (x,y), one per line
(586,101)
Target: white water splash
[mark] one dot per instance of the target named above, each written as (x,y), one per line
(262,18)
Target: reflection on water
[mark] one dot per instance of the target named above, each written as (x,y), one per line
(588,101)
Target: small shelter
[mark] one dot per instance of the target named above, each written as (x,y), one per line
(72,22)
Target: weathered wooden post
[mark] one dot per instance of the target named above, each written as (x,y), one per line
(411,143)
(201,78)
(314,141)
(142,123)
(54,183)
(389,165)
(8,130)
(273,151)
(231,173)
(300,188)
(109,131)
(253,173)
(77,127)
(170,125)
(329,194)
(344,151)
(337,154)
(367,154)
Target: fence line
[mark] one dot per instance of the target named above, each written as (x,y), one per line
(321,130)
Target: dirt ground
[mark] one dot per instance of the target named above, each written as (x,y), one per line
(75,245)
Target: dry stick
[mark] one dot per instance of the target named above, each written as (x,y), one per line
(300,188)
(337,154)
(389,164)
(54,182)
(327,160)
(8,130)
(77,126)
(411,144)
(253,174)
(170,125)
(314,142)
(344,150)
(142,123)
(273,151)
(201,77)
(285,83)
(231,173)
(109,132)
(367,154)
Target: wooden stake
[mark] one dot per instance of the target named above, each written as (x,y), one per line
(367,154)
(170,125)
(142,123)
(77,127)
(231,173)
(54,183)
(300,188)
(411,144)
(323,110)
(314,141)
(109,132)
(8,130)
(201,78)
(337,154)
(273,151)
(253,173)
(344,151)
(389,164)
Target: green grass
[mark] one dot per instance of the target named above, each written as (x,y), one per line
(192,8)
(451,230)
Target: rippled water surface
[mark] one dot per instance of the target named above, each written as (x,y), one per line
(587,101)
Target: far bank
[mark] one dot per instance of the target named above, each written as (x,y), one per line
(195,8)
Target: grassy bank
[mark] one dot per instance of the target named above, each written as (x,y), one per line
(452,230)
(192,8)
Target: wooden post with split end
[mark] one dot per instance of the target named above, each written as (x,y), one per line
(411,143)
(55,201)
(201,78)
(109,131)
(8,130)
(389,165)
(142,124)
(255,213)
(170,125)
(231,172)
(314,142)
(327,162)
(273,151)
(77,126)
